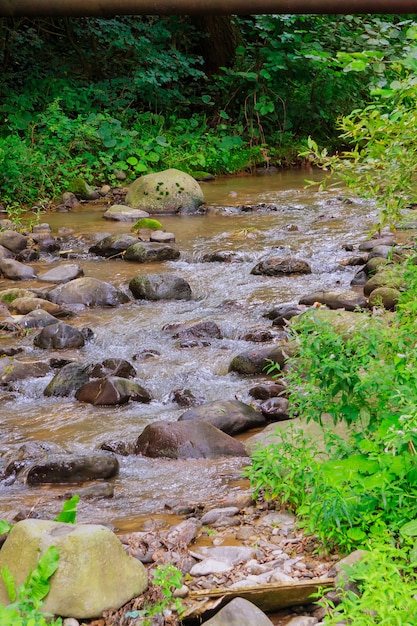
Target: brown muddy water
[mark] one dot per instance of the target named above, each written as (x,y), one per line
(310,224)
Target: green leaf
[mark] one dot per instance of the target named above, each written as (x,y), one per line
(409,529)
(207,99)
(9,583)
(224,115)
(68,514)
(132,161)
(5,527)
(356,534)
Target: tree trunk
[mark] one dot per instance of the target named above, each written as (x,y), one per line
(219,39)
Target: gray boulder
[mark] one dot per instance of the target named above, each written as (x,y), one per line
(22,306)
(201,330)
(169,191)
(275,409)
(68,379)
(337,299)
(122,213)
(88,292)
(257,360)
(37,319)
(12,370)
(276,266)
(14,270)
(239,612)
(113,245)
(13,241)
(113,367)
(144,252)
(62,274)
(94,572)
(65,468)
(59,336)
(160,287)
(186,440)
(231,417)
(112,390)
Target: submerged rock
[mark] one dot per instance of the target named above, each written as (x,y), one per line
(12,370)
(113,245)
(123,213)
(186,440)
(66,468)
(69,378)
(94,572)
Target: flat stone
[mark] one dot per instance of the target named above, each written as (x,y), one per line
(212,516)
(210,566)
(239,612)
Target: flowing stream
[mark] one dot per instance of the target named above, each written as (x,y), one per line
(308,224)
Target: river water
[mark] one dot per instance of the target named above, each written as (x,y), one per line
(308,224)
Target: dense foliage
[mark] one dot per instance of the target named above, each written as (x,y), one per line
(139,94)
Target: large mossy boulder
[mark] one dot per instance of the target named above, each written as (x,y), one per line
(169,191)
(94,573)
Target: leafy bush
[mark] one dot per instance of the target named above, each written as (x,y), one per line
(352,491)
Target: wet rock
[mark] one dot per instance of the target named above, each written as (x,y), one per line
(22,306)
(219,256)
(112,390)
(8,295)
(277,266)
(201,330)
(59,336)
(186,440)
(231,417)
(5,253)
(67,468)
(113,367)
(37,319)
(99,490)
(62,274)
(12,370)
(169,191)
(387,297)
(70,378)
(144,252)
(370,244)
(238,612)
(13,241)
(88,292)
(28,255)
(123,213)
(14,270)
(84,585)
(336,299)
(160,236)
(255,361)
(118,447)
(160,287)
(214,515)
(145,355)
(259,336)
(112,245)
(275,409)
(282,314)
(185,397)
(383,251)
(267,390)
(359,279)
(49,245)
(302,620)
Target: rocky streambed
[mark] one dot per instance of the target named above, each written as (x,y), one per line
(133,365)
